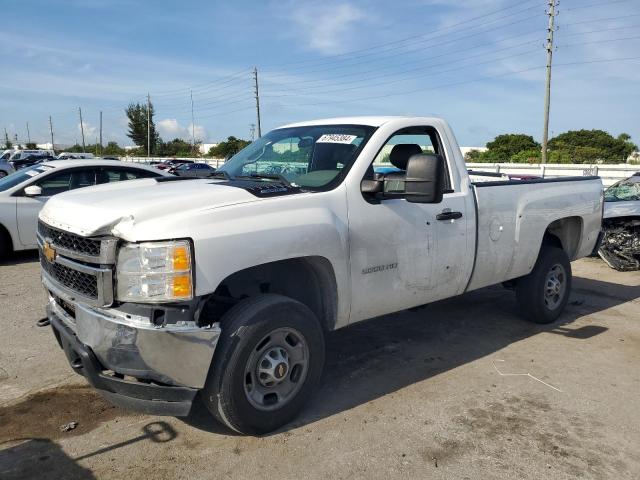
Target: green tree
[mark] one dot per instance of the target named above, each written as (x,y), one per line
(588,146)
(527,156)
(503,147)
(228,148)
(176,148)
(7,144)
(473,156)
(139,128)
(31,146)
(76,149)
(112,148)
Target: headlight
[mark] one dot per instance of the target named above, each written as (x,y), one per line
(154,272)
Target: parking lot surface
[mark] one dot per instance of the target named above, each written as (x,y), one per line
(460,389)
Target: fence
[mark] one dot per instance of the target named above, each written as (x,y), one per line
(214,162)
(610,174)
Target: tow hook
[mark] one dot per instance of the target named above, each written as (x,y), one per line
(43,322)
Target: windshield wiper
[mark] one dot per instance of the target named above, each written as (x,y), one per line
(267,176)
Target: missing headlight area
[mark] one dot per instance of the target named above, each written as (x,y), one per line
(620,247)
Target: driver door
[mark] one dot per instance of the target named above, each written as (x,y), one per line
(402,254)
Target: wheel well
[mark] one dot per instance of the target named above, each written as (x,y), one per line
(309,280)
(4,234)
(565,233)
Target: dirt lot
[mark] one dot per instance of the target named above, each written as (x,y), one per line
(461,389)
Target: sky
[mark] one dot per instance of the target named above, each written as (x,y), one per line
(480,64)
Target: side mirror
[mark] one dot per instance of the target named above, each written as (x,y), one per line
(371,186)
(425,179)
(33,191)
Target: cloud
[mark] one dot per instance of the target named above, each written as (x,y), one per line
(89,131)
(170,128)
(327,27)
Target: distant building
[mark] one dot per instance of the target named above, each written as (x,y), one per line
(205,147)
(466,150)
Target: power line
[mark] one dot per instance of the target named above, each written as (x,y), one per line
(598,4)
(220,81)
(388,48)
(453,84)
(430,65)
(438,72)
(412,37)
(596,20)
(600,41)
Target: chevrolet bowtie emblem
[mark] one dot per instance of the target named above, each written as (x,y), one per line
(49,252)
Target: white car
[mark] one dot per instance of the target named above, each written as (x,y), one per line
(23,193)
(74,155)
(620,247)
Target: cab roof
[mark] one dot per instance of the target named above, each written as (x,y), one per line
(372,121)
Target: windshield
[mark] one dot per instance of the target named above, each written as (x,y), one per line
(624,191)
(23,175)
(314,157)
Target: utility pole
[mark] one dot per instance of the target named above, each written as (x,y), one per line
(193,128)
(547,97)
(100,132)
(82,129)
(253,131)
(148,125)
(255,79)
(28,134)
(53,147)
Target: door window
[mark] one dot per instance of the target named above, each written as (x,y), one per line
(117,174)
(391,162)
(54,184)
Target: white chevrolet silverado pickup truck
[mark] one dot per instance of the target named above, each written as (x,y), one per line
(164,290)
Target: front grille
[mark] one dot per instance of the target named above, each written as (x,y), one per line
(70,241)
(80,282)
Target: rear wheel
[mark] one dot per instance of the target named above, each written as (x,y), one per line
(268,361)
(3,173)
(543,294)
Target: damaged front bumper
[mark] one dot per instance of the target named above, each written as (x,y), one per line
(620,246)
(133,363)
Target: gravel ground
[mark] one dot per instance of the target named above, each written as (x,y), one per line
(461,389)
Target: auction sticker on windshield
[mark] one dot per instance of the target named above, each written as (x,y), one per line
(336,138)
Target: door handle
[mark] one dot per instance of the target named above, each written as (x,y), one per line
(449,215)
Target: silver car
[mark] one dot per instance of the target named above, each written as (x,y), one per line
(620,247)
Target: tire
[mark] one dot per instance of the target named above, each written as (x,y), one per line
(268,361)
(3,174)
(6,245)
(544,293)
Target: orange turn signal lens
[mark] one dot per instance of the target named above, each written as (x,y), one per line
(181,258)
(182,286)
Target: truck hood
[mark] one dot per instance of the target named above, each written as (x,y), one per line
(106,209)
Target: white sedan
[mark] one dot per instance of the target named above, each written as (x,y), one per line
(23,193)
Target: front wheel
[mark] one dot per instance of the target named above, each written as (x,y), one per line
(544,293)
(268,361)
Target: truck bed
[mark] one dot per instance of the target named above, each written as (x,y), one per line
(513,215)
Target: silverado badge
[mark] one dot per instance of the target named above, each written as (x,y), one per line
(49,252)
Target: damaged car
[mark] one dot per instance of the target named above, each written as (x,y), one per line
(620,247)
